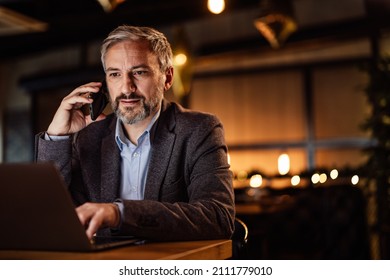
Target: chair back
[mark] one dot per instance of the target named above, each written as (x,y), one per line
(239,240)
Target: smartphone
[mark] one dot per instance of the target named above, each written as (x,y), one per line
(100,100)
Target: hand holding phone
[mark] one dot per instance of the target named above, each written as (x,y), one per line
(100,100)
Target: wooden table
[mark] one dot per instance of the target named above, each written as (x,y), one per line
(189,250)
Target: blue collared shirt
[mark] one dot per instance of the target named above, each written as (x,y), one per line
(134,161)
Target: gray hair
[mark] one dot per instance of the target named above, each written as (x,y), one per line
(158,43)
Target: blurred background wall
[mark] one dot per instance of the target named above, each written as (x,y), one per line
(305,98)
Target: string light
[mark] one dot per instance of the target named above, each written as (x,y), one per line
(355,179)
(256,181)
(295,180)
(323,178)
(334,174)
(315,178)
(283,164)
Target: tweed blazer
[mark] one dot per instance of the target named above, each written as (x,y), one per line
(188,192)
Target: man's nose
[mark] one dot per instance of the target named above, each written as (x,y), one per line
(128,84)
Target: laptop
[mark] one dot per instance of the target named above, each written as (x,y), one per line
(37,213)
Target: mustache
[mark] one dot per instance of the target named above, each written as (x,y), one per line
(132,95)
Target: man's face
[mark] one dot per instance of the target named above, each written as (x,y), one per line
(135,82)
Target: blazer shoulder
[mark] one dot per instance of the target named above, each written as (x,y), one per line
(193,118)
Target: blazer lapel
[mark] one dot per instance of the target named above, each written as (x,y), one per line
(110,166)
(161,152)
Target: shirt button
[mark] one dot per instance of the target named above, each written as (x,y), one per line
(136,154)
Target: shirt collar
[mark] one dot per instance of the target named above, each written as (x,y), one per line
(120,136)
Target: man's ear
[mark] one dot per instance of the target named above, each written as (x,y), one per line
(168,78)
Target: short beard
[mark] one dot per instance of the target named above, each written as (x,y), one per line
(131,115)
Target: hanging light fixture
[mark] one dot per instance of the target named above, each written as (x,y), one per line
(110,5)
(12,22)
(216,6)
(276,21)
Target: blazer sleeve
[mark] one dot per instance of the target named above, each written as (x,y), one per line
(58,152)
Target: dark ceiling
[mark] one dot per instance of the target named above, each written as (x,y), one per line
(82,21)
(78,21)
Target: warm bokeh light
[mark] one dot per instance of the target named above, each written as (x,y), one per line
(323,178)
(334,174)
(283,164)
(180,59)
(295,180)
(242,175)
(216,6)
(355,179)
(315,178)
(256,181)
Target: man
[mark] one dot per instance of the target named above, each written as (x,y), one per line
(152,169)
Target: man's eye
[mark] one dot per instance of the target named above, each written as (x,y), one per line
(114,74)
(139,73)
